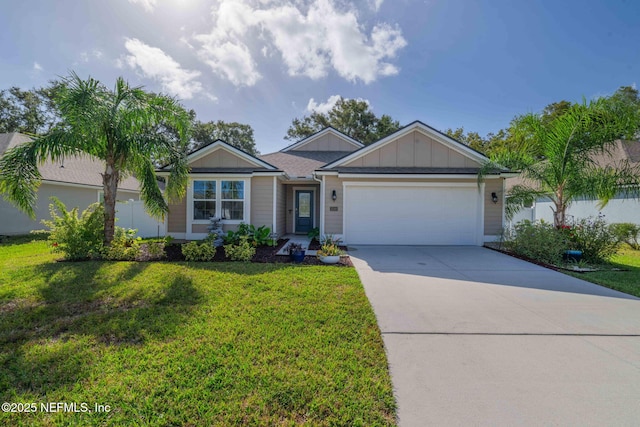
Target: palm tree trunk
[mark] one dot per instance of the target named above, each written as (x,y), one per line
(110,187)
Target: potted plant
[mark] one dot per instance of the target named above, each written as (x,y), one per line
(330,253)
(296,253)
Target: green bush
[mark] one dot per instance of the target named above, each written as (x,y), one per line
(540,241)
(626,232)
(594,238)
(194,251)
(255,236)
(76,236)
(241,251)
(124,246)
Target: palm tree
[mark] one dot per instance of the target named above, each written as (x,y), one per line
(127,128)
(557,156)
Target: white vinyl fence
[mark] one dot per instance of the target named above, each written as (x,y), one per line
(131,214)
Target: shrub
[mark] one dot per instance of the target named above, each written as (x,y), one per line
(242,251)
(594,238)
(154,250)
(124,246)
(194,251)
(627,232)
(76,236)
(255,236)
(540,241)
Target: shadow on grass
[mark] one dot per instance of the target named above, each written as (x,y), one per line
(52,343)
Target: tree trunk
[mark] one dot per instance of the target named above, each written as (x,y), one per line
(559,217)
(110,187)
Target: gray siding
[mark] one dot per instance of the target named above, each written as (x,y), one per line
(262,201)
(414,149)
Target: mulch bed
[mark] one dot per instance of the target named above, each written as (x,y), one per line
(264,254)
(524,258)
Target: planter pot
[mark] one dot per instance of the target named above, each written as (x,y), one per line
(575,256)
(333,259)
(297,257)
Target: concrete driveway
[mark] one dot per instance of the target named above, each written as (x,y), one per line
(475,337)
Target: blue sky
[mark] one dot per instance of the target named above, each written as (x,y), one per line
(474,64)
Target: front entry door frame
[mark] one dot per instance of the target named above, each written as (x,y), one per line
(296,191)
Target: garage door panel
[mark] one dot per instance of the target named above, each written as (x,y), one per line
(411,215)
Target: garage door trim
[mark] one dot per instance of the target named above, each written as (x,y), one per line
(479,240)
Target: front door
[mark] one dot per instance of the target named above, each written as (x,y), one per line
(304,211)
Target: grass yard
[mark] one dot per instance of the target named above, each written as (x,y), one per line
(188,344)
(627,281)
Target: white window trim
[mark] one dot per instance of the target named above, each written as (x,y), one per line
(247,201)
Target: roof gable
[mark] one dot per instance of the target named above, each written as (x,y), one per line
(328,139)
(221,154)
(415,145)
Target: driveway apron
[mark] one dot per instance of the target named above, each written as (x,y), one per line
(475,337)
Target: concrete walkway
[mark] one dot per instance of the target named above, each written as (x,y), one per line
(475,337)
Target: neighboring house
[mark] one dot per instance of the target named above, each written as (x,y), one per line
(619,209)
(76,181)
(416,186)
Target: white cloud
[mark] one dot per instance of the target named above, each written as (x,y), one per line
(311,39)
(153,63)
(94,54)
(148,5)
(375,4)
(323,107)
(37,67)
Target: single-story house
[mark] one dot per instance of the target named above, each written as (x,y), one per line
(76,181)
(619,209)
(416,186)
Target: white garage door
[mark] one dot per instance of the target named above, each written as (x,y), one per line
(411,215)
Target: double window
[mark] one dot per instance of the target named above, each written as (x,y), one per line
(218,198)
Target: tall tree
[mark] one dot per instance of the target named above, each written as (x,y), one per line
(352,117)
(472,139)
(237,134)
(557,156)
(123,127)
(29,111)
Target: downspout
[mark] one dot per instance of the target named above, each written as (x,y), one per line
(321,181)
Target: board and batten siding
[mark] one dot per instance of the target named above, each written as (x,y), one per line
(221,158)
(261,201)
(177,217)
(493,211)
(333,219)
(414,149)
(327,142)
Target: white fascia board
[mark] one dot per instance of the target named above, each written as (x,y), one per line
(73,184)
(225,175)
(325,173)
(317,135)
(406,176)
(268,173)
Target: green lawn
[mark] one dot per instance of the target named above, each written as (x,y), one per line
(627,280)
(188,344)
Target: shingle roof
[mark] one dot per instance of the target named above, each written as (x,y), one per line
(302,163)
(83,170)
